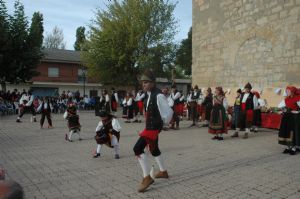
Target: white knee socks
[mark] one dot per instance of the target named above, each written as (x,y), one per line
(70,135)
(160,163)
(143,160)
(98,148)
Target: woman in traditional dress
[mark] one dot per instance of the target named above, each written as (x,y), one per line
(289,132)
(218,118)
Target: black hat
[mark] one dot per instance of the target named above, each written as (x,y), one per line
(103,113)
(248,85)
(148,75)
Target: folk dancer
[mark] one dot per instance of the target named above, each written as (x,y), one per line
(45,109)
(175,95)
(207,104)
(129,107)
(73,122)
(194,105)
(114,101)
(158,112)
(181,105)
(236,109)
(257,113)
(26,102)
(108,133)
(289,132)
(106,101)
(139,98)
(248,104)
(218,118)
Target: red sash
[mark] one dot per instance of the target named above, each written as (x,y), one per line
(140,106)
(114,105)
(249,113)
(150,134)
(177,109)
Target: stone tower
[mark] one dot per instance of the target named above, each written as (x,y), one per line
(240,41)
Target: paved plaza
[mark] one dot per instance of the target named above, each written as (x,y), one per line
(49,167)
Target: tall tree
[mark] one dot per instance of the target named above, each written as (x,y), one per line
(184,54)
(18,36)
(33,47)
(4,44)
(55,39)
(80,38)
(20,46)
(129,37)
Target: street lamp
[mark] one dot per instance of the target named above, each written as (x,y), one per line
(173,73)
(83,74)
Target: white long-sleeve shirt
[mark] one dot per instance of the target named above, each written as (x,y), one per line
(181,98)
(170,101)
(115,124)
(225,103)
(165,111)
(129,102)
(189,97)
(139,97)
(116,97)
(175,96)
(106,98)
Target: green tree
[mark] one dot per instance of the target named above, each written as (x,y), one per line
(129,37)
(184,55)
(55,39)
(5,45)
(80,38)
(33,48)
(20,46)
(18,35)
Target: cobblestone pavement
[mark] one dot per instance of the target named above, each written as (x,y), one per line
(49,167)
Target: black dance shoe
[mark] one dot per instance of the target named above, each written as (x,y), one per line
(286,151)
(293,152)
(96,155)
(215,138)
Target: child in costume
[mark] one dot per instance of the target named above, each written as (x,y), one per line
(108,133)
(73,121)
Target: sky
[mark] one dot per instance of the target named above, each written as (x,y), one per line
(68,15)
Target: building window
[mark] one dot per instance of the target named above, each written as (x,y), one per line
(53,72)
(82,76)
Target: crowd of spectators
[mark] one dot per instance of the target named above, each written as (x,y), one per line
(10,101)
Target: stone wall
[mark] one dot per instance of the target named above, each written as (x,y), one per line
(240,41)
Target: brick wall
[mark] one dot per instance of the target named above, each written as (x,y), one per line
(68,73)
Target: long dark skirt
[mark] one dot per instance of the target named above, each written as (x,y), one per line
(125,109)
(218,120)
(257,117)
(289,132)
(208,109)
(130,112)
(135,108)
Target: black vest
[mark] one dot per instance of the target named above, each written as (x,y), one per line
(113,98)
(249,101)
(48,107)
(153,120)
(177,101)
(195,97)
